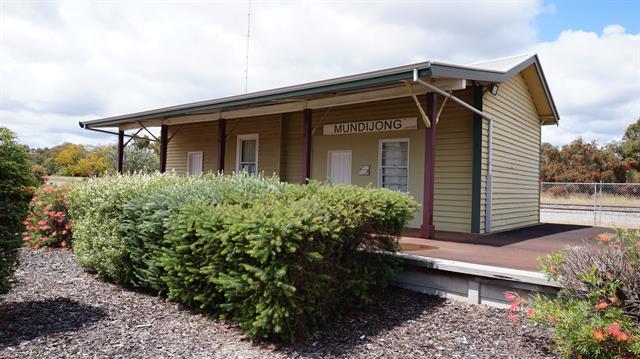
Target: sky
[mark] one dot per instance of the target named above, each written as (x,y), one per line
(64,62)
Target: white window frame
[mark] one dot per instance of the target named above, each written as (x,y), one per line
(189,162)
(252,136)
(384,140)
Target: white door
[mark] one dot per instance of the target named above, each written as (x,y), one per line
(339,167)
(194,163)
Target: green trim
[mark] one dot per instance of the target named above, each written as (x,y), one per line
(476,168)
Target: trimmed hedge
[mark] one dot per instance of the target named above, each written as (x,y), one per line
(17,184)
(97,210)
(277,258)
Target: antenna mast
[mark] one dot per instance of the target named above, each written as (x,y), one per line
(246,65)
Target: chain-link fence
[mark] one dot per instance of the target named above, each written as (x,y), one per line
(598,204)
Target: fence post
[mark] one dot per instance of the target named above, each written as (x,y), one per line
(600,206)
(595,199)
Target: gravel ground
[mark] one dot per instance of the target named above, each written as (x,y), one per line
(58,310)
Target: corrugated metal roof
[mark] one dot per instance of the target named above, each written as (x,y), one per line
(497,70)
(503,64)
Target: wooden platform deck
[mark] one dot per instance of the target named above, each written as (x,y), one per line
(516,249)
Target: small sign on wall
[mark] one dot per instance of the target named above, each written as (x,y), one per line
(365,170)
(394,124)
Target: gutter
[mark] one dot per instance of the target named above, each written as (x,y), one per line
(86,127)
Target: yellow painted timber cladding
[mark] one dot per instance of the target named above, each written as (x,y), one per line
(192,138)
(516,156)
(516,148)
(280,150)
(452,203)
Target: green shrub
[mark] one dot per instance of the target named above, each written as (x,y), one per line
(597,313)
(287,262)
(17,183)
(277,258)
(145,215)
(97,211)
(48,223)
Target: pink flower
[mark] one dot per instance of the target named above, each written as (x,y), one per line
(616,331)
(510,296)
(42,222)
(26,238)
(512,317)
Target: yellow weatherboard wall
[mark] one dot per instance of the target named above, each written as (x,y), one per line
(516,156)
(452,204)
(515,152)
(192,138)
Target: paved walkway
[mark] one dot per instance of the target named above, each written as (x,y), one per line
(517,249)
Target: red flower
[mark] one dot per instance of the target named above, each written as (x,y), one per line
(601,305)
(530,312)
(599,335)
(36,246)
(604,237)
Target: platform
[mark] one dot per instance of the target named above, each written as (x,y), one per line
(478,269)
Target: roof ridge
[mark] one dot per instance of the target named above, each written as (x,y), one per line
(527,55)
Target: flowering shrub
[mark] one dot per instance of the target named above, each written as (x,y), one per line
(48,223)
(597,313)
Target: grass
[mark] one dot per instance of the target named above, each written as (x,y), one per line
(584,199)
(64,179)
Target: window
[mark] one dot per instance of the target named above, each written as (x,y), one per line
(247,154)
(194,163)
(394,164)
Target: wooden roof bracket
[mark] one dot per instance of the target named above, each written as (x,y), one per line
(149,132)
(450,95)
(132,137)
(424,116)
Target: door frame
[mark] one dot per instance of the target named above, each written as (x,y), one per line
(329,153)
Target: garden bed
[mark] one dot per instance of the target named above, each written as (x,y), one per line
(57,309)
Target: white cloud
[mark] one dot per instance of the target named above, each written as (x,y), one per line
(595,80)
(62,62)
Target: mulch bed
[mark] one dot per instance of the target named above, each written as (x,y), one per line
(58,310)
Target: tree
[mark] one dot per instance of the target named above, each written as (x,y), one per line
(582,161)
(66,158)
(630,144)
(141,155)
(17,183)
(44,157)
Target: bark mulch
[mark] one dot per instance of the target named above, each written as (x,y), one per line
(58,310)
